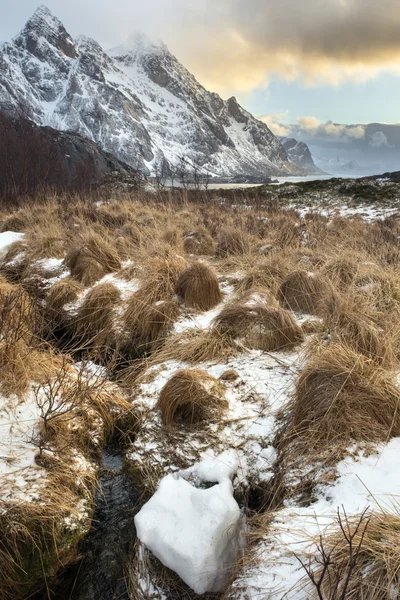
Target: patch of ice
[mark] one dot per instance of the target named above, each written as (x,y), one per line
(193,531)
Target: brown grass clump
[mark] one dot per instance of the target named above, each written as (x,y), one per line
(149,325)
(259,326)
(16,222)
(91,259)
(162,276)
(197,346)
(267,273)
(190,397)
(370,570)
(198,242)
(229,375)
(198,287)
(233,242)
(355,324)
(343,270)
(14,262)
(287,231)
(342,396)
(23,356)
(94,324)
(63,292)
(305,292)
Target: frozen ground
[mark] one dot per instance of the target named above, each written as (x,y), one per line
(265,382)
(20,477)
(366,481)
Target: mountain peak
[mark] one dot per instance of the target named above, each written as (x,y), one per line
(43,25)
(138,43)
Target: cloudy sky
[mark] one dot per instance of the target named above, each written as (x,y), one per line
(285,60)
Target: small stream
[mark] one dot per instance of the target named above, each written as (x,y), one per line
(99,575)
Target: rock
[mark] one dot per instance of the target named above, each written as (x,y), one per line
(136,101)
(75,160)
(299,153)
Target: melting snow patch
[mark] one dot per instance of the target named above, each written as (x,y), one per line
(6,239)
(194,531)
(20,477)
(363,481)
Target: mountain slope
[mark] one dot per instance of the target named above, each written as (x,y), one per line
(299,153)
(137,102)
(34,157)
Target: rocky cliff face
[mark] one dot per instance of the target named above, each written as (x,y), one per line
(137,102)
(299,153)
(35,156)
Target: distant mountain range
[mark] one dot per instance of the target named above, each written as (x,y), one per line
(358,149)
(137,102)
(299,153)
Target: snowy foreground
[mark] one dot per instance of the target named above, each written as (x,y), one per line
(196,482)
(364,482)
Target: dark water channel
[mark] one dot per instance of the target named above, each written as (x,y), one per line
(99,574)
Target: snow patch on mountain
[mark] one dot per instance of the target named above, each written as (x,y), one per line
(136,101)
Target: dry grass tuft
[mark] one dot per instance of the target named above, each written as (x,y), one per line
(312,326)
(149,325)
(259,326)
(356,325)
(342,396)
(15,222)
(305,292)
(267,273)
(63,292)
(198,287)
(92,258)
(370,568)
(199,242)
(190,397)
(95,320)
(344,269)
(229,375)
(162,276)
(197,346)
(23,356)
(233,242)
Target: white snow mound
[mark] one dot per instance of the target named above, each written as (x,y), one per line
(6,239)
(193,531)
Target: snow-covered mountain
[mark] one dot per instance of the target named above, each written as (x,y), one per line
(137,102)
(299,153)
(337,166)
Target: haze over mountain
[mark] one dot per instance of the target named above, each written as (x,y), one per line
(137,101)
(359,149)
